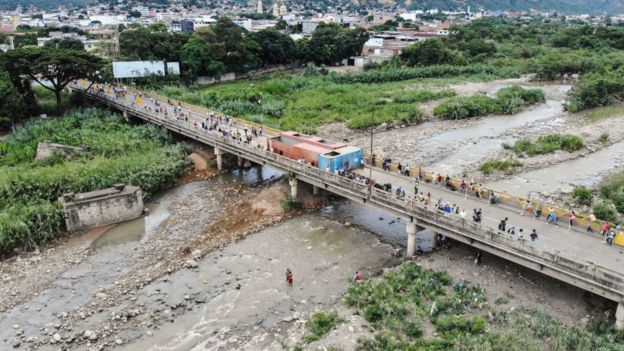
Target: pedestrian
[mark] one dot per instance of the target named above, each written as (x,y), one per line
(289,276)
(415,188)
(592,219)
(534,235)
(502,224)
(610,237)
(476,215)
(605,228)
(511,230)
(572,219)
(478,258)
(357,277)
(462,217)
(552,217)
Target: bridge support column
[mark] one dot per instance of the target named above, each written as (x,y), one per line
(246,164)
(411,239)
(239,161)
(619,316)
(293,186)
(315,190)
(219,154)
(125,116)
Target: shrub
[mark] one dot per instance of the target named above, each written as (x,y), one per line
(549,143)
(320,324)
(582,195)
(466,107)
(449,324)
(605,213)
(290,203)
(603,138)
(502,165)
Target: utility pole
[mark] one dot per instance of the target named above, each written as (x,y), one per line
(370,172)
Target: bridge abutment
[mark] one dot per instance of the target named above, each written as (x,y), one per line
(411,239)
(219,154)
(619,316)
(293,186)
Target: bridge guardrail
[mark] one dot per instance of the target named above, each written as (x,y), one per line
(567,263)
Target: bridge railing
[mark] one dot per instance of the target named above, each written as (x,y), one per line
(470,229)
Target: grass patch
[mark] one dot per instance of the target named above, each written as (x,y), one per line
(500,165)
(120,153)
(399,302)
(547,144)
(320,324)
(508,101)
(297,102)
(607,112)
(582,195)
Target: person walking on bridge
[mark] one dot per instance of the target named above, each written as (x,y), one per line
(592,219)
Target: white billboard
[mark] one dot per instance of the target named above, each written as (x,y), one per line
(173,68)
(135,69)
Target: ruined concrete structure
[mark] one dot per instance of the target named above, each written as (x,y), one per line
(46,149)
(107,206)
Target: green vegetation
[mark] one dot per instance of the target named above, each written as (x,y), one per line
(550,143)
(119,153)
(290,203)
(501,165)
(605,213)
(320,324)
(302,102)
(393,74)
(603,138)
(603,113)
(583,196)
(597,89)
(613,192)
(508,101)
(398,304)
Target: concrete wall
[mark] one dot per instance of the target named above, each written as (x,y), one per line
(101,207)
(46,149)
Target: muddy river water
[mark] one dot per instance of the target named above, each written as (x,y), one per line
(236,297)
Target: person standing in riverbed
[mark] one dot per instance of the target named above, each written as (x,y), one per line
(289,276)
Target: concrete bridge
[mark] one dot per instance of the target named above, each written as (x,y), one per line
(566,254)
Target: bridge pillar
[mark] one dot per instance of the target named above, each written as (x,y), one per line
(315,190)
(619,316)
(293,186)
(247,164)
(125,116)
(219,154)
(239,161)
(411,239)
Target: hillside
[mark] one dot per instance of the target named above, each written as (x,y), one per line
(562,6)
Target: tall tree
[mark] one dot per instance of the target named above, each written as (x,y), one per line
(12,104)
(428,52)
(203,54)
(277,48)
(54,69)
(330,43)
(64,43)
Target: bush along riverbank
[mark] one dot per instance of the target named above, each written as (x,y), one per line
(30,215)
(411,308)
(508,101)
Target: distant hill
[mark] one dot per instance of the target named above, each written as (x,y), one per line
(42,4)
(562,6)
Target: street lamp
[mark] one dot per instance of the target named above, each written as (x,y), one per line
(370,169)
(261,110)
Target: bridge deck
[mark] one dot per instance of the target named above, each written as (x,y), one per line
(571,255)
